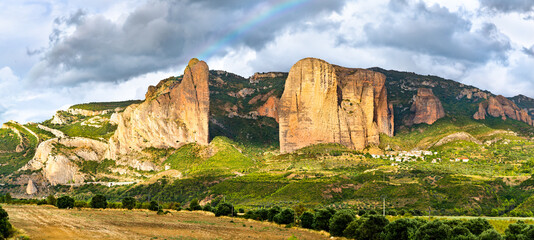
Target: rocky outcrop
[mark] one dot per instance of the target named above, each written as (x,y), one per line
(257,76)
(31,188)
(459,136)
(270,108)
(178,114)
(324,103)
(504,108)
(426,107)
(56,158)
(472,93)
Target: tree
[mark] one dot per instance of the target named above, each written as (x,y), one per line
(8,198)
(490,234)
(193,205)
(477,225)
(462,233)
(515,231)
(65,202)
(322,219)
(307,219)
(272,212)
(207,208)
(51,200)
(5,227)
(340,221)
(154,206)
(224,209)
(99,201)
(401,229)
(370,227)
(435,230)
(262,214)
(286,216)
(129,203)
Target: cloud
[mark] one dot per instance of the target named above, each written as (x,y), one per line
(434,30)
(507,6)
(529,51)
(159,35)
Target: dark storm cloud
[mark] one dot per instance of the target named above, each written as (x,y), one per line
(158,35)
(436,31)
(529,51)
(506,6)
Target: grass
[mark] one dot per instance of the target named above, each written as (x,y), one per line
(8,140)
(100,106)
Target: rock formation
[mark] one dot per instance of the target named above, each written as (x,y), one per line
(31,188)
(173,113)
(324,103)
(426,107)
(269,108)
(502,107)
(56,158)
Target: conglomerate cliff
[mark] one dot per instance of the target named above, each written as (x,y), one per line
(325,103)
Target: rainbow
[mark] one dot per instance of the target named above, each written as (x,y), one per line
(253,20)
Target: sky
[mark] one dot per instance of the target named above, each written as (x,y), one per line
(58,53)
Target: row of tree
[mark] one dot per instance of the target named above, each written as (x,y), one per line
(347,223)
(6,230)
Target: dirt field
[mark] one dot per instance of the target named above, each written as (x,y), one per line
(46,222)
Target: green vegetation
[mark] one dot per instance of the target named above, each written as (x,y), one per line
(8,140)
(6,230)
(101,106)
(14,160)
(78,129)
(129,203)
(65,202)
(99,201)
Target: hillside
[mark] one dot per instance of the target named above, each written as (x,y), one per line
(456,165)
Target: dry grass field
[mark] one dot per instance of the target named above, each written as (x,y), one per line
(47,222)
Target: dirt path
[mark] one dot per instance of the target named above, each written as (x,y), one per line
(46,222)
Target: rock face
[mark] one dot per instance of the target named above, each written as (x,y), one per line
(56,158)
(31,188)
(324,103)
(270,108)
(169,117)
(502,107)
(426,107)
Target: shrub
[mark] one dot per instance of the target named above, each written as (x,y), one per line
(272,212)
(241,210)
(80,204)
(208,208)
(251,215)
(401,229)
(262,214)
(129,203)
(193,205)
(65,202)
(515,231)
(490,234)
(361,212)
(154,206)
(370,227)
(340,221)
(51,200)
(286,216)
(99,201)
(477,225)
(372,212)
(460,232)
(5,227)
(322,219)
(435,230)
(224,209)
(307,219)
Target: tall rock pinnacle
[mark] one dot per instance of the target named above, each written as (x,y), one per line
(324,103)
(173,113)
